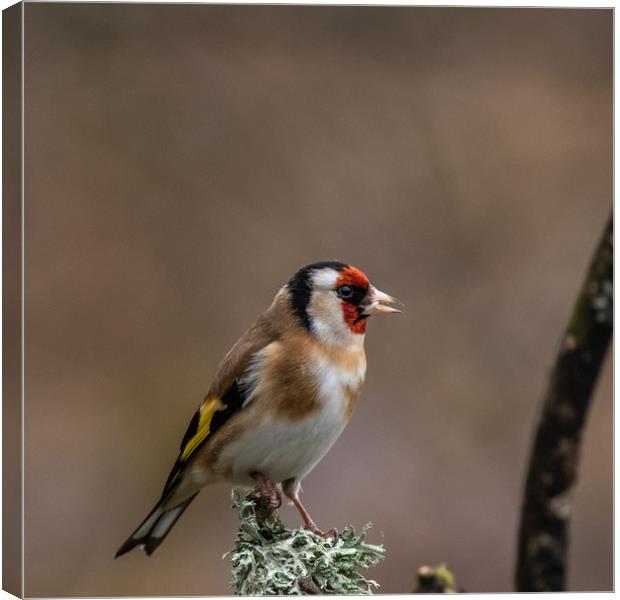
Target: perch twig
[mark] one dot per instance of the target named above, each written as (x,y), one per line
(270,559)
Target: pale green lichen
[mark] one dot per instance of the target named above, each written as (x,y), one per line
(446,578)
(435,580)
(269,559)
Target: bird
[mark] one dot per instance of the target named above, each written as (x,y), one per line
(280,397)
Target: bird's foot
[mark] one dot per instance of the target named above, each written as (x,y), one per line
(332,533)
(266,494)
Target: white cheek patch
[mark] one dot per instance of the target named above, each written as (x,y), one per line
(327,320)
(325,311)
(325,279)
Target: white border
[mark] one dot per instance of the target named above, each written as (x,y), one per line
(433,3)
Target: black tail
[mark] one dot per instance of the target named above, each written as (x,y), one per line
(153,530)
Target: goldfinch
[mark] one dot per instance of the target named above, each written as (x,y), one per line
(280,398)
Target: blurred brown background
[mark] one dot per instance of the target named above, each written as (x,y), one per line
(182,161)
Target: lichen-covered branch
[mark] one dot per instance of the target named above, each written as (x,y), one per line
(269,559)
(543,534)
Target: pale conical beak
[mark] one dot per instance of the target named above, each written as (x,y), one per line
(379,302)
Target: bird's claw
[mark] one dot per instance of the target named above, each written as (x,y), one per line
(267,499)
(331,533)
(266,495)
(272,499)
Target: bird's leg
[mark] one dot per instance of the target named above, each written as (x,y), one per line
(290,487)
(266,493)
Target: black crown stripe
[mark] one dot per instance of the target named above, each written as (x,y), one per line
(299,286)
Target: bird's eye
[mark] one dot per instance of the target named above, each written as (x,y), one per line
(345,292)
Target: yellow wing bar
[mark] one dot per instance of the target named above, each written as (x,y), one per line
(207,410)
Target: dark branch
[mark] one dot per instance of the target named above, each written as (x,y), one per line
(543,534)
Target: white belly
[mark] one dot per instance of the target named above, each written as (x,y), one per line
(282,448)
